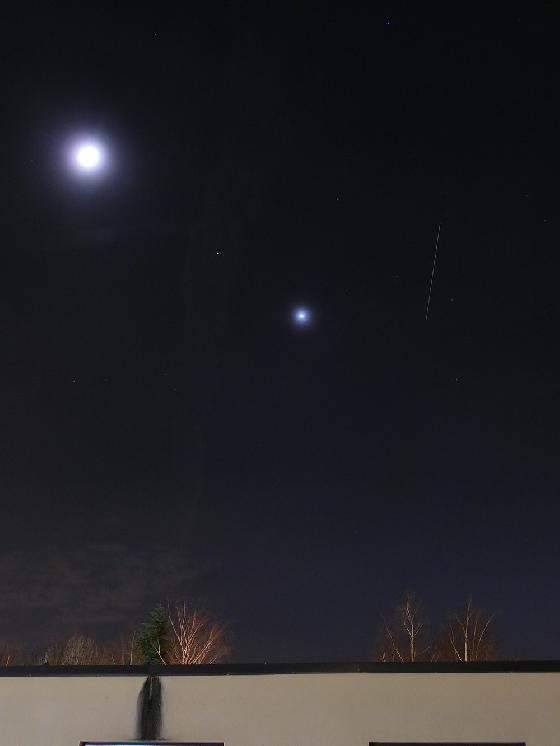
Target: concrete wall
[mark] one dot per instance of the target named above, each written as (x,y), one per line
(346,709)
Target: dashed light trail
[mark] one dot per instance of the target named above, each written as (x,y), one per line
(433,272)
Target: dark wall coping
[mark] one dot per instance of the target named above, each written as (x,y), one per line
(258,669)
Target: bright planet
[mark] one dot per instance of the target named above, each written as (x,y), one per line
(88,157)
(302,316)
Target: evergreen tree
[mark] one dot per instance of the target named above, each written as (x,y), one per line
(153,640)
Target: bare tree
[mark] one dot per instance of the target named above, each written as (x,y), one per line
(77,650)
(17,653)
(6,655)
(405,638)
(467,637)
(124,651)
(54,653)
(195,637)
(80,651)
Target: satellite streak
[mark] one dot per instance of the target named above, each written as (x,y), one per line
(433,272)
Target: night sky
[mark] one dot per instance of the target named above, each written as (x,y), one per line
(169,429)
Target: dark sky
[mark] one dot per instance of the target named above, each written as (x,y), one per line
(168,431)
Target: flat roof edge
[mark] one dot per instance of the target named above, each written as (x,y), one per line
(259,669)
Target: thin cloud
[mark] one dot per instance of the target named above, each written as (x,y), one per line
(99,584)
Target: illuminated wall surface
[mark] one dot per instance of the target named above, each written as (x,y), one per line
(315,709)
